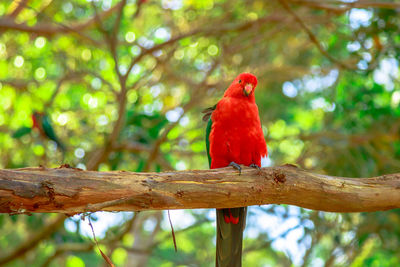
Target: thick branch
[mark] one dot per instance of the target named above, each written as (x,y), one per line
(68,190)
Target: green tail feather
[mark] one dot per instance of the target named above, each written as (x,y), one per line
(230,238)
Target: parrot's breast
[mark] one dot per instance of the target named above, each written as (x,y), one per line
(236,134)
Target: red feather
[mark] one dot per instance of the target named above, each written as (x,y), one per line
(236,133)
(35,122)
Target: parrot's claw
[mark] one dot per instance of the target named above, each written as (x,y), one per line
(236,166)
(255,166)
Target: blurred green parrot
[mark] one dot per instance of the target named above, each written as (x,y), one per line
(42,123)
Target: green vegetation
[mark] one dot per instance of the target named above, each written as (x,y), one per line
(124,83)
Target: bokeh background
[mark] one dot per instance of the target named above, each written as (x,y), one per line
(124,83)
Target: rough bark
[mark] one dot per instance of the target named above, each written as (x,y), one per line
(69,190)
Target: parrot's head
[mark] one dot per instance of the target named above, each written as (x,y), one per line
(36,116)
(243,86)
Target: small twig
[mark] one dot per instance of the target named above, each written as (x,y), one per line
(172,232)
(19,6)
(138,8)
(66,77)
(65,27)
(117,23)
(313,38)
(342,6)
(7,23)
(105,257)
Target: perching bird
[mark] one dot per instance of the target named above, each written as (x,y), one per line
(42,122)
(234,136)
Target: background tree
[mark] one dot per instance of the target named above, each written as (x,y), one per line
(124,83)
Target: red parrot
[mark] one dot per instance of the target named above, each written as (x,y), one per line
(234,136)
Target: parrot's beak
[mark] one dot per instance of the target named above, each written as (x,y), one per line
(247,89)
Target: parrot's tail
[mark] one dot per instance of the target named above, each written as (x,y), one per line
(230,227)
(61,146)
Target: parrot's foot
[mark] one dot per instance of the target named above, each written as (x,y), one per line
(255,166)
(236,166)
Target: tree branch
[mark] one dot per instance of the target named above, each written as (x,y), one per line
(7,23)
(313,38)
(16,7)
(342,6)
(69,190)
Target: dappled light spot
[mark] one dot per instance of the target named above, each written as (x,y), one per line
(174,115)
(162,34)
(130,37)
(360,18)
(79,153)
(62,119)
(40,73)
(289,89)
(18,61)
(387,71)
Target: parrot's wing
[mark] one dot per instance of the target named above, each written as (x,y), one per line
(208,131)
(207,117)
(207,112)
(21,132)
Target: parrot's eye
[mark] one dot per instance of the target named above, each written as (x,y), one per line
(240,81)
